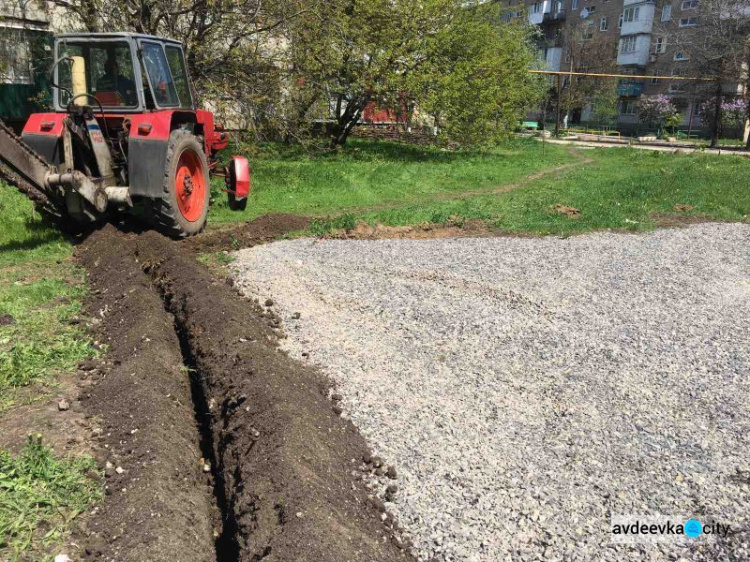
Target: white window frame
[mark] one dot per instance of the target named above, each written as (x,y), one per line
(688,22)
(536,8)
(660,45)
(631,14)
(690,4)
(574,5)
(681,56)
(628,44)
(604,24)
(666,12)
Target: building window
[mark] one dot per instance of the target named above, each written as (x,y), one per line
(536,8)
(660,46)
(588,31)
(688,22)
(681,56)
(15,54)
(666,12)
(627,44)
(591,9)
(629,107)
(604,24)
(631,14)
(574,5)
(690,4)
(676,88)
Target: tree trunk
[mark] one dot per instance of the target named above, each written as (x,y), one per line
(716,124)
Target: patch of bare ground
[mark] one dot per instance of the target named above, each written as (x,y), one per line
(287,471)
(678,219)
(248,234)
(451,229)
(53,411)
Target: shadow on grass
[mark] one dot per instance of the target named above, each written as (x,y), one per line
(369,150)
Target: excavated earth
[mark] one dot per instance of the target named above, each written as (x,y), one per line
(217,445)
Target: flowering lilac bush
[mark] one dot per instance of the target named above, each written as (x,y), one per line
(659,111)
(733,112)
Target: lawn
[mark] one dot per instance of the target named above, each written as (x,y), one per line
(41,291)
(371,173)
(400,185)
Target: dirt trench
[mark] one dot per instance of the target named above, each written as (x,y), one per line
(221,447)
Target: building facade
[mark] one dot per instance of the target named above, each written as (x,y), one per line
(25,57)
(632,37)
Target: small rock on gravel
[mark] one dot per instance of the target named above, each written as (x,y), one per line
(63,405)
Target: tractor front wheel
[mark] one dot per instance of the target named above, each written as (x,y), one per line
(185,196)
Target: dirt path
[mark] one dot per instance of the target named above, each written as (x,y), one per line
(286,470)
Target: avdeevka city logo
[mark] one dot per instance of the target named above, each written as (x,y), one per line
(693,528)
(659,528)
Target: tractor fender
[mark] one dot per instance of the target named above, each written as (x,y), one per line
(238,178)
(147,152)
(43,133)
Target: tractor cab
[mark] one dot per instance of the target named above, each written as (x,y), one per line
(126,135)
(121,73)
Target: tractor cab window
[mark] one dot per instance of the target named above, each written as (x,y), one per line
(160,80)
(103,69)
(179,73)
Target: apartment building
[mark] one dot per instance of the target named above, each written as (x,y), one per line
(25,49)
(638,37)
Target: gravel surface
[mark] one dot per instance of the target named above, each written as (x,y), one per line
(526,390)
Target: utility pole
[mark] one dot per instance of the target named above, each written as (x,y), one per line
(559,105)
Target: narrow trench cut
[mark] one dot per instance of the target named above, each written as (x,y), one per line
(225,543)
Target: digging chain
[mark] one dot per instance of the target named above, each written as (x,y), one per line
(9,175)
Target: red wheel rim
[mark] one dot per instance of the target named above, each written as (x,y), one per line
(190,186)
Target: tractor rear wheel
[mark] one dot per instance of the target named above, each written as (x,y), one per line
(184,204)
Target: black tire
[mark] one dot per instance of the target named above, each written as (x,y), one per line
(166,214)
(237,204)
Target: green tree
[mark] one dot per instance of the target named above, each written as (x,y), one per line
(449,61)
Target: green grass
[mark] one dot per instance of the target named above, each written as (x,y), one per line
(41,289)
(40,496)
(371,173)
(397,185)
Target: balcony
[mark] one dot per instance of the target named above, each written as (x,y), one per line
(637,53)
(556,17)
(644,21)
(538,11)
(630,89)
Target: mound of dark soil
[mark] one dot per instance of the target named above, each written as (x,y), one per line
(248,234)
(158,503)
(286,467)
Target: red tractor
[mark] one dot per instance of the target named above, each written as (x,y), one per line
(125,135)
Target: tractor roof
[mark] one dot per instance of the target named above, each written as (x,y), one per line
(122,35)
